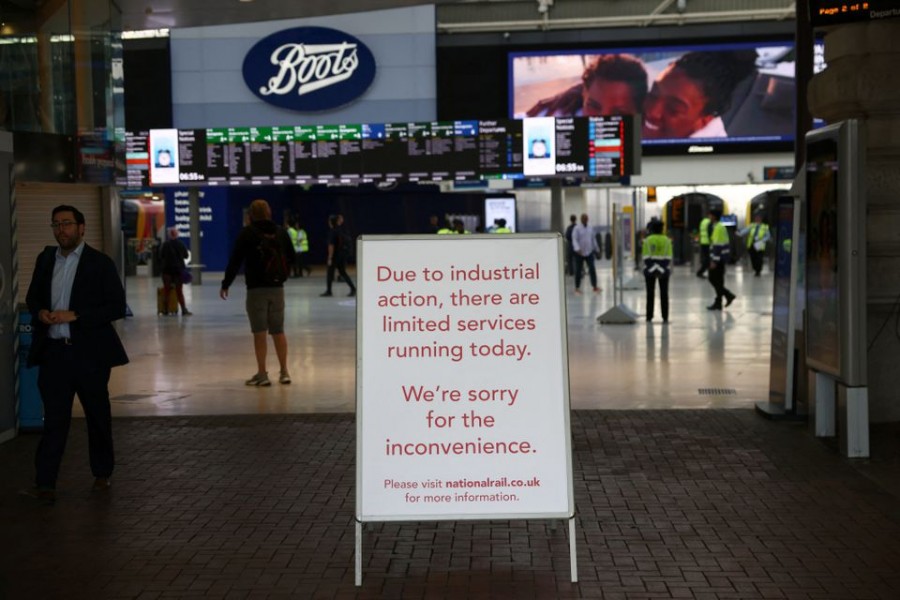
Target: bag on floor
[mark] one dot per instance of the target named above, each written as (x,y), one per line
(165,306)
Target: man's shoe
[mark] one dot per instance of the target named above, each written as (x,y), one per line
(596,290)
(577,292)
(44,496)
(714,307)
(729,300)
(101,484)
(284,378)
(325,294)
(352,293)
(701,275)
(186,313)
(260,380)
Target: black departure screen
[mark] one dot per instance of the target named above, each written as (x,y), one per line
(417,144)
(192,155)
(328,152)
(500,149)
(350,151)
(592,148)
(306,167)
(385,152)
(465,151)
(137,159)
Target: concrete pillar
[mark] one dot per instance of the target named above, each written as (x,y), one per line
(862,81)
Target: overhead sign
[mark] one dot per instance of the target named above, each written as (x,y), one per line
(309,68)
(595,148)
(833,12)
(462,385)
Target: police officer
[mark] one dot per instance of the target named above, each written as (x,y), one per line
(501,227)
(657,253)
(719,251)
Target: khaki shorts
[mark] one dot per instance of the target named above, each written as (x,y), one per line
(265,308)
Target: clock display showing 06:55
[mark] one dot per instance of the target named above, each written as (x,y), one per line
(191,176)
(569,167)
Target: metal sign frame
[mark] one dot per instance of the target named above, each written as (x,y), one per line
(558,284)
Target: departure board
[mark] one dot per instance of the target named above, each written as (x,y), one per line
(259,155)
(350,151)
(191,155)
(593,148)
(418,158)
(228,155)
(137,159)
(440,149)
(465,151)
(306,166)
(384,146)
(327,146)
(500,147)
(282,140)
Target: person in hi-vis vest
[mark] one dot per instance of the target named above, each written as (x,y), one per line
(757,235)
(719,250)
(705,228)
(657,253)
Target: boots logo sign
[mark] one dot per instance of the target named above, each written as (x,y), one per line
(309,68)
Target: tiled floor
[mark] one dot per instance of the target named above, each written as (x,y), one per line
(224,491)
(196,365)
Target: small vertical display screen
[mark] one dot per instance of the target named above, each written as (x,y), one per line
(823,334)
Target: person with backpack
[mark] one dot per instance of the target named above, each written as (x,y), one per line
(266,252)
(339,248)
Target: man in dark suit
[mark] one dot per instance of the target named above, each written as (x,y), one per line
(74,297)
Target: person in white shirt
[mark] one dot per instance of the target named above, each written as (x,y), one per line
(584,244)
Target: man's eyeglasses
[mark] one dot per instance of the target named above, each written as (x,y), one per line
(62,224)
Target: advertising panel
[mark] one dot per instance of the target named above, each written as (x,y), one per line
(781,361)
(503,207)
(462,384)
(836,252)
(697,98)
(823,341)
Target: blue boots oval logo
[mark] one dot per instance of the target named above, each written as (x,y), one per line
(309,68)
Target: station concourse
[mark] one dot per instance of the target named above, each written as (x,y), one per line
(228,491)
(221,490)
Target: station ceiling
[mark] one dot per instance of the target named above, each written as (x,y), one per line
(463,16)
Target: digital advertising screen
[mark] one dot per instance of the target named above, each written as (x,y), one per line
(539,136)
(823,336)
(701,98)
(500,207)
(781,359)
(163,156)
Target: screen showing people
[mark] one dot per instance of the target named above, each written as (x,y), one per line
(728,92)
